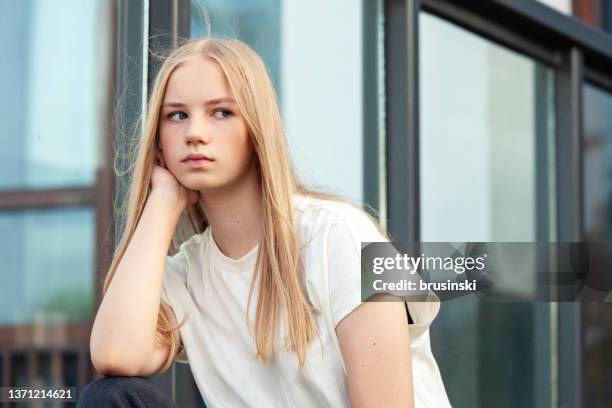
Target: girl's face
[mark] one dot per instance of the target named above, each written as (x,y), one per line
(199,116)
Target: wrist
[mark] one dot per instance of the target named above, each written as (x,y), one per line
(168,201)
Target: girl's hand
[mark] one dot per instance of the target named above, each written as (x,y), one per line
(163,180)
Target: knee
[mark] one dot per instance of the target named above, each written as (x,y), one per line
(105,391)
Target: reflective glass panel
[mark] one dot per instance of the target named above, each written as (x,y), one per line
(597,181)
(486,175)
(52,91)
(47,270)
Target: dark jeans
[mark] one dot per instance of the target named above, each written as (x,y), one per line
(123,392)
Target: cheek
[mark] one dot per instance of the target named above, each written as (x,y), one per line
(239,145)
(166,136)
(170,151)
(246,142)
(244,149)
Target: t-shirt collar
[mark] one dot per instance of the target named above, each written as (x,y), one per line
(225,263)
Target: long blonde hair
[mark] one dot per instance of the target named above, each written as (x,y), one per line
(277,260)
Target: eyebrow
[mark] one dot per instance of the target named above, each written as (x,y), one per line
(214,101)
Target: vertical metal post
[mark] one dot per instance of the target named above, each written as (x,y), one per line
(169,23)
(105,177)
(569,128)
(402,89)
(131,69)
(371,110)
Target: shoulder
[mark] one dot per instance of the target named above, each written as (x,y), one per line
(318,216)
(176,278)
(187,253)
(334,232)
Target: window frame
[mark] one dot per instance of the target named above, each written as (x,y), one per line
(34,340)
(577,53)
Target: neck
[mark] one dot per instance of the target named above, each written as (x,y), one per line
(234,215)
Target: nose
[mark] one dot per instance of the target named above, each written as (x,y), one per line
(198,131)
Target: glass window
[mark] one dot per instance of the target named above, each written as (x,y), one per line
(48,259)
(485,143)
(597,177)
(597,181)
(51,98)
(54,82)
(317,75)
(256,23)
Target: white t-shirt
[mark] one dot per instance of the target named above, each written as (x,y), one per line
(213,289)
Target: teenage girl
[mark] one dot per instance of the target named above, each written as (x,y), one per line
(229,263)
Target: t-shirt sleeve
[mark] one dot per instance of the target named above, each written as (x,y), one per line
(344,240)
(343,254)
(173,288)
(175,274)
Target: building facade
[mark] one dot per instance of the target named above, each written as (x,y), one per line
(456,120)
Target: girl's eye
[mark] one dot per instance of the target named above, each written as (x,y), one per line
(173,115)
(218,114)
(222,114)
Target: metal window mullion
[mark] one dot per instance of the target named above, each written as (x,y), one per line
(402,107)
(130,81)
(481,21)
(530,27)
(569,128)
(104,193)
(598,77)
(169,24)
(21,200)
(371,109)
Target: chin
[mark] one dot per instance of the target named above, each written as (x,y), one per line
(199,182)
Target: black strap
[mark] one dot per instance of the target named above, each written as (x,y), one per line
(408,313)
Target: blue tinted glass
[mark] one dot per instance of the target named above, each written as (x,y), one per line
(318,75)
(597,177)
(47,269)
(486,133)
(254,22)
(51,92)
(597,181)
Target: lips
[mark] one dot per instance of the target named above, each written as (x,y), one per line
(196,157)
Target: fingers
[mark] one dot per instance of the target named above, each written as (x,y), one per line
(156,157)
(159,158)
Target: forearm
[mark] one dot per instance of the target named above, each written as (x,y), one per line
(125,325)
